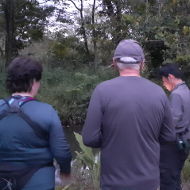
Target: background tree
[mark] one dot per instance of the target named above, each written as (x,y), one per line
(10,45)
(25,20)
(163,27)
(82,29)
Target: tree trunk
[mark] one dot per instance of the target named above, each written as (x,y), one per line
(94,37)
(109,6)
(10,45)
(114,12)
(118,16)
(83,29)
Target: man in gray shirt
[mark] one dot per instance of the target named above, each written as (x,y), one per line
(173,155)
(127,118)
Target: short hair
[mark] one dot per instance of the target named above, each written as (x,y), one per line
(122,66)
(173,69)
(21,73)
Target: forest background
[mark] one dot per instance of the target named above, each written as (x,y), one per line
(75,40)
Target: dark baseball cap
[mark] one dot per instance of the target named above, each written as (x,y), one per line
(129,51)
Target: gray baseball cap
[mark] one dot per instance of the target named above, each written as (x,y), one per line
(129,51)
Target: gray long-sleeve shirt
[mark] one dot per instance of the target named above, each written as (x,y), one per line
(126,119)
(180,107)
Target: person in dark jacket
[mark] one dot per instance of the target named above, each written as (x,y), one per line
(127,118)
(31,134)
(173,155)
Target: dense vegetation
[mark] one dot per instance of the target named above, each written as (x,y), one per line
(75,40)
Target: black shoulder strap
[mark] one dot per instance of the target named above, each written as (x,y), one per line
(3,114)
(40,132)
(16,109)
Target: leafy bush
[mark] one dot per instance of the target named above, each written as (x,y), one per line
(3,91)
(69,91)
(186,171)
(85,169)
(90,161)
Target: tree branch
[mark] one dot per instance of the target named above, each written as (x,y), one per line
(75,5)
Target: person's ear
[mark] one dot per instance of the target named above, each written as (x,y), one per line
(114,63)
(142,67)
(170,77)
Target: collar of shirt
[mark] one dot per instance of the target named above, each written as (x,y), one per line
(182,83)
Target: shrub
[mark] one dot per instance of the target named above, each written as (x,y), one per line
(69,91)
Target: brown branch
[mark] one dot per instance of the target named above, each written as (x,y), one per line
(75,5)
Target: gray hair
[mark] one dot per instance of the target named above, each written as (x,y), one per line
(122,66)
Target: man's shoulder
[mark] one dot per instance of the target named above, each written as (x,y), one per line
(107,85)
(39,105)
(153,84)
(140,81)
(181,91)
(108,82)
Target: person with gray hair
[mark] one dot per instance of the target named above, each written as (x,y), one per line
(127,118)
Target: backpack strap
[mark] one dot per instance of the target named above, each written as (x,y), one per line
(15,108)
(3,114)
(39,131)
(20,100)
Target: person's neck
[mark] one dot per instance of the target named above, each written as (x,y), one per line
(129,73)
(22,94)
(177,82)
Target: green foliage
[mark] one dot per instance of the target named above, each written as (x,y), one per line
(183,59)
(85,169)
(186,171)
(30,20)
(86,156)
(3,91)
(90,160)
(67,51)
(21,21)
(69,91)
